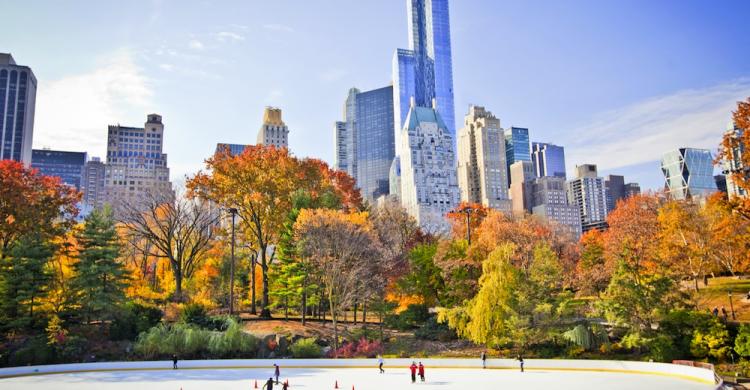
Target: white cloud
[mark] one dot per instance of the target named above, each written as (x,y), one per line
(278,27)
(224,36)
(330,75)
(196,44)
(72,113)
(642,132)
(166,67)
(274,96)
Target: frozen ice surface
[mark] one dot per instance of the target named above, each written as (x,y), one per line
(360,378)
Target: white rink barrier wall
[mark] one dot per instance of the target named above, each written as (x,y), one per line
(639,368)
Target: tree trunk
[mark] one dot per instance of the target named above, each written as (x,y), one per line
(335,328)
(364,315)
(705,280)
(695,282)
(286,308)
(178,286)
(304,306)
(265,311)
(355,313)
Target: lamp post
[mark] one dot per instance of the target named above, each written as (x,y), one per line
(468,211)
(731,304)
(232,211)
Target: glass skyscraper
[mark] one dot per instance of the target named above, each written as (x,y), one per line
(424,72)
(365,140)
(17,103)
(548,159)
(688,173)
(517,146)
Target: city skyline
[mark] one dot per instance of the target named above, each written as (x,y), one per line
(685,90)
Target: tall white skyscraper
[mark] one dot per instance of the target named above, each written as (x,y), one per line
(481,160)
(428,179)
(17,104)
(273,131)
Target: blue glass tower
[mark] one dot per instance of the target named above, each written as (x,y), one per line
(548,159)
(688,173)
(68,166)
(424,72)
(517,146)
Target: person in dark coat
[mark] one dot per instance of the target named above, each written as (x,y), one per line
(413,369)
(520,361)
(277,372)
(269,384)
(484,359)
(421,371)
(174,361)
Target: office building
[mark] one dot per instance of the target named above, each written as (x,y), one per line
(273,131)
(688,173)
(548,159)
(733,165)
(587,192)
(234,149)
(616,190)
(365,144)
(136,167)
(424,71)
(517,147)
(429,189)
(17,104)
(550,202)
(92,183)
(522,175)
(68,166)
(481,161)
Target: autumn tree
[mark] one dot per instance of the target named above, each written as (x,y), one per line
(177,229)
(100,278)
(734,149)
(729,235)
(260,183)
(592,270)
(685,240)
(32,203)
(632,236)
(466,215)
(340,249)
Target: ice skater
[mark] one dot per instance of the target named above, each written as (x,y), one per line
(269,384)
(520,361)
(421,371)
(413,369)
(285,385)
(484,359)
(380,364)
(174,361)
(276,372)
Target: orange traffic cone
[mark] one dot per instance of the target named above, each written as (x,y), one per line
(336,385)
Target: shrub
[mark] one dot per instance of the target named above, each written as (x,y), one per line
(587,337)
(414,316)
(188,340)
(361,348)
(34,351)
(133,319)
(711,339)
(306,348)
(435,331)
(194,313)
(742,341)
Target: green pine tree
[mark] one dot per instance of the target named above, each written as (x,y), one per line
(100,279)
(24,281)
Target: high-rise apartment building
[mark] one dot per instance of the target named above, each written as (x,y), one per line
(588,193)
(550,202)
(521,176)
(632,189)
(424,72)
(68,166)
(481,160)
(273,131)
(92,183)
(548,159)
(17,104)
(733,165)
(517,147)
(365,140)
(136,165)
(688,173)
(428,178)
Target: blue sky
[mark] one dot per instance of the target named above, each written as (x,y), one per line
(616,83)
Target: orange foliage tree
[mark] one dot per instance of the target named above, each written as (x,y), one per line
(592,270)
(30,202)
(473,212)
(730,145)
(260,183)
(685,242)
(729,235)
(633,234)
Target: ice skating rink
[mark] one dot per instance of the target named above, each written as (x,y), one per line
(361,378)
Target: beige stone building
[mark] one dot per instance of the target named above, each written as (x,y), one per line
(273,131)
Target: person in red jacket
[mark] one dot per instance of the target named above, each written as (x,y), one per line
(413,369)
(421,371)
